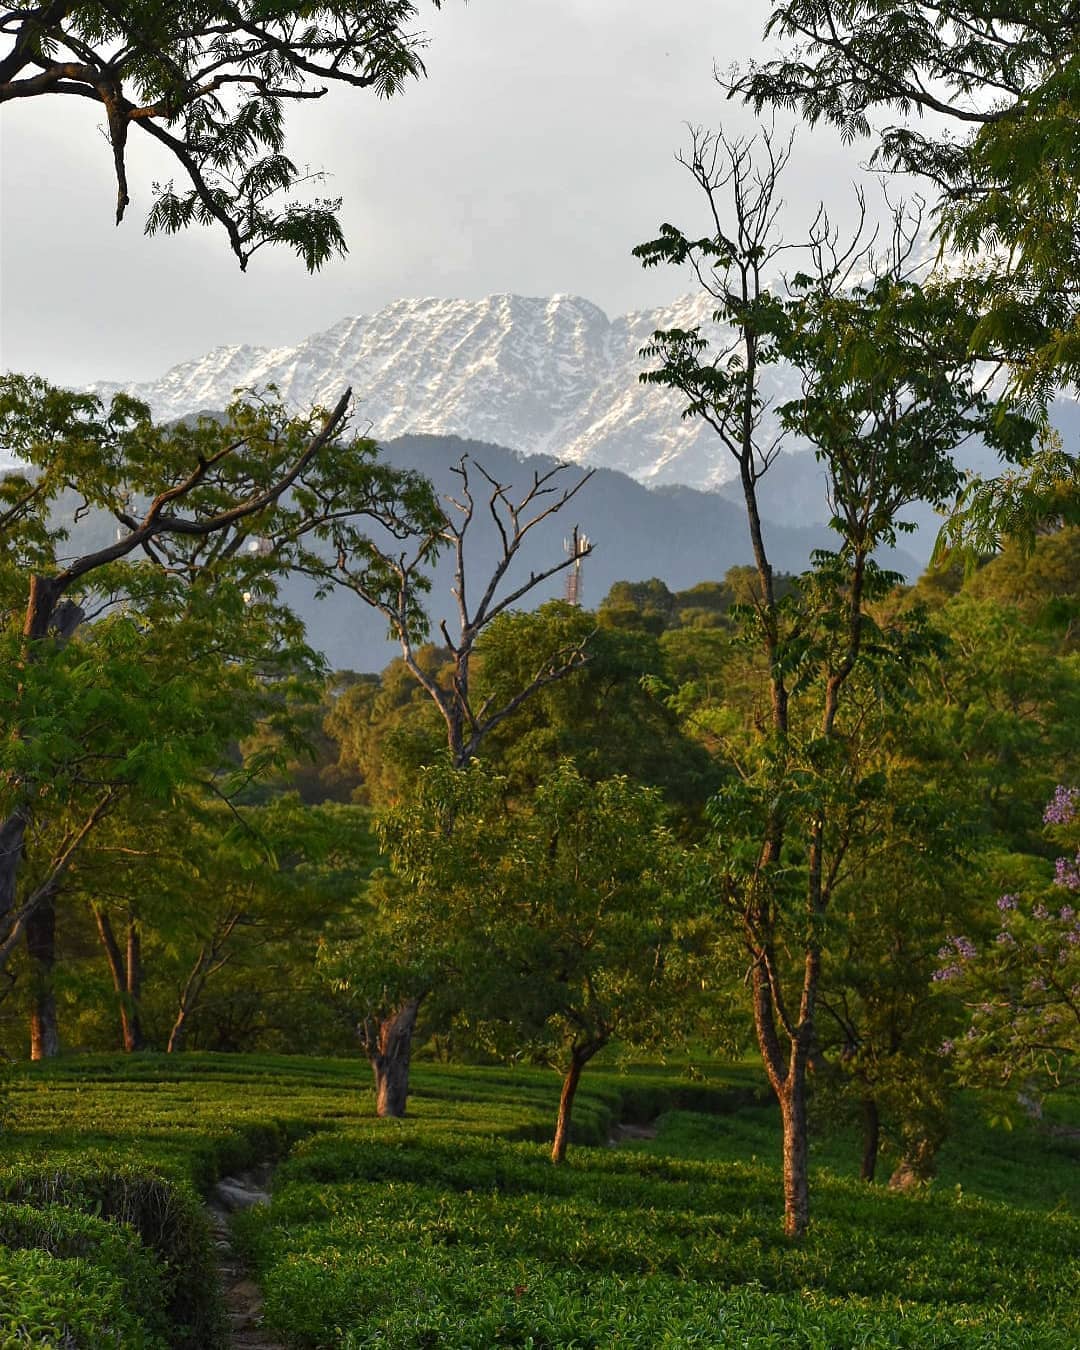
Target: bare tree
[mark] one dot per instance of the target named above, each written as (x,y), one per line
(395,586)
(514,520)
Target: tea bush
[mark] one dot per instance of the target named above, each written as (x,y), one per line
(451,1229)
(70,1302)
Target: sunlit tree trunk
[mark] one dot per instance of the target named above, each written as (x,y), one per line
(390,1051)
(579,1057)
(41,946)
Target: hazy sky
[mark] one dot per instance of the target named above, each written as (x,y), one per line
(536,154)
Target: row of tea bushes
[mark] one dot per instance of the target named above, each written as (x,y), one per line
(451,1229)
(412,1234)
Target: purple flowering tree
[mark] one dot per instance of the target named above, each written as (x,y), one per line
(1022,987)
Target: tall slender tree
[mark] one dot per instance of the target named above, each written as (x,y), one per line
(888,392)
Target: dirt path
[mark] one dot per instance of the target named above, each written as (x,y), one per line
(243,1299)
(620,1133)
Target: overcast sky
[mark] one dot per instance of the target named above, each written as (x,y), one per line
(533,158)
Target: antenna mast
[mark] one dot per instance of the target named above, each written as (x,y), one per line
(577,546)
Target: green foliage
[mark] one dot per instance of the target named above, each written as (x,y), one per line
(1008,183)
(136,663)
(1009,201)
(507,1249)
(51,1301)
(652,1243)
(113,1249)
(386,727)
(169,1222)
(608,716)
(1021,985)
(211,84)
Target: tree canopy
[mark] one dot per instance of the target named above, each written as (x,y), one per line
(1006,75)
(209,83)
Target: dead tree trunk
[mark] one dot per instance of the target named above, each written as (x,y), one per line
(389,1046)
(41,946)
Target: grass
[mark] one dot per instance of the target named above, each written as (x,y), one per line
(451,1229)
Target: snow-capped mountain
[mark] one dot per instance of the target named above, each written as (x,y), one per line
(542,376)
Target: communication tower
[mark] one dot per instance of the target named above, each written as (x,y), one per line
(576,546)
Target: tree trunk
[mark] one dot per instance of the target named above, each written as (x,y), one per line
(916,1166)
(178,1033)
(566,1106)
(579,1057)
(390,1057)
(43,612)
(130,1015)
(871,1137)
(796,1152)
(12,839)
(126,971)
(41,945)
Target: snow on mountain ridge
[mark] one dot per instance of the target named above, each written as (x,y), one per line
(550,375)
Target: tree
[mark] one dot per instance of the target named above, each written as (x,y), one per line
(201,689)
(552,918)
(178,582)
(907,881)
(587,930)
(209,85)
(608,717)
(419,939)
(888,391)
(1009,79)
(1022,987)
(1010,184)
(393,580)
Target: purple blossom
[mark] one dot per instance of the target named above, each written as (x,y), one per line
(961,947)
(1067,873)
(1005,939)
(1037,985)
(1006,902)
(1067,914)
(946,973)
(946,1048)
(1061,808)
(1040,912)
(1072,937)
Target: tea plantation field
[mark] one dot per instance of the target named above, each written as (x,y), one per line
(451,1228)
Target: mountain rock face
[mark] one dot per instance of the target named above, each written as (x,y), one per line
(542,376)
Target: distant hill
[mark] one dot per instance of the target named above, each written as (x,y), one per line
(678,534)
(543,375)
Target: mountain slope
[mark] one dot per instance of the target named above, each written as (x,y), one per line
(678,534)
(544,376)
